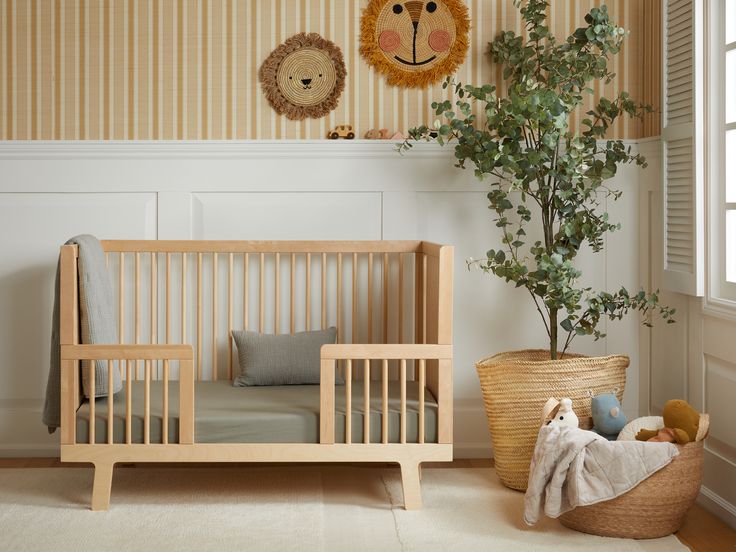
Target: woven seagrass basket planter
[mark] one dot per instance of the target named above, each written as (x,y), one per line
(656,507)
(515,386)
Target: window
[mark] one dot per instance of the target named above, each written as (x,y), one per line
(723,151)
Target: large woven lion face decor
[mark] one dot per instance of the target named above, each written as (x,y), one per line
(303,77)
(414,43)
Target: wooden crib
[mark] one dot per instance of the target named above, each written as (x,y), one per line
(178,301)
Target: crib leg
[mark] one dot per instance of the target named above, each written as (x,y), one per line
(102,486)
(410,482)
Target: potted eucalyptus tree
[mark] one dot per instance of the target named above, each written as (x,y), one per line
(546,175)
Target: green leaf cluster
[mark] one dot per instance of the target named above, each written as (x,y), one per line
(540,169)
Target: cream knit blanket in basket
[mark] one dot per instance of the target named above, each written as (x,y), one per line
(573,467)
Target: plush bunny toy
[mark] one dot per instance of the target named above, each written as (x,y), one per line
(560,413)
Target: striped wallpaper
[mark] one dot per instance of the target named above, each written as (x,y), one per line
(186,69)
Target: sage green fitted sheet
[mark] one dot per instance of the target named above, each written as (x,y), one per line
(277,414)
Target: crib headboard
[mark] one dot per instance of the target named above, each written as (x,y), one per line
(197,292)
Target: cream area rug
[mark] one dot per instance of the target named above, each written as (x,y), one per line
(279,508)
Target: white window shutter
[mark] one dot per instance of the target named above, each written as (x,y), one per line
(683,138)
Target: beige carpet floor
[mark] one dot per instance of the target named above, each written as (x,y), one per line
(299,508)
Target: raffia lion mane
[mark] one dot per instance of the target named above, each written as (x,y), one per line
(395,76)
(268,72)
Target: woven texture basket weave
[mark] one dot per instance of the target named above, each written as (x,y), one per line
(654,508)
(515,387)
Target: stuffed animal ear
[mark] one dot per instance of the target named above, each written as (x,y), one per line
(646,434)
(681,436)
(550,409)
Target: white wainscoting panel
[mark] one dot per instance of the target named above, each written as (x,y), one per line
(282,216)
(265,190)
(33,226)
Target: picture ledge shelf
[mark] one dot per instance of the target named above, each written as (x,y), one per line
(209,149)
(238,149)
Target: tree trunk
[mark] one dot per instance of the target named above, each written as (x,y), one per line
(553,334)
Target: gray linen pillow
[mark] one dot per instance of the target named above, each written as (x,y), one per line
(281,359)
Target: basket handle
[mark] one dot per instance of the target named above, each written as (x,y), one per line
(703,426)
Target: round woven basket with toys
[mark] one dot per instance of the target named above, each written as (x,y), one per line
(656,507)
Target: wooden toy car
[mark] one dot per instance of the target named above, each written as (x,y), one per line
(342,131)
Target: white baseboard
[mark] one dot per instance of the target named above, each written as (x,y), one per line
(25,450)
(472,450)
(718,506)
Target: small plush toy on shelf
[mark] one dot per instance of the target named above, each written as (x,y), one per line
(608,417)
(376,134)
(681,423)
(559,413)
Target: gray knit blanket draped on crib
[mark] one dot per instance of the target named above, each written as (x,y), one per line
(97,325)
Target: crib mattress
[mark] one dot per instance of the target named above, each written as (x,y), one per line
(278,414)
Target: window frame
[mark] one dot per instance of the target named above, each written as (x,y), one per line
(721,294)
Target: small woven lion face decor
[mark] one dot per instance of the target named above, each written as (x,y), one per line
(304,77)
(414,43)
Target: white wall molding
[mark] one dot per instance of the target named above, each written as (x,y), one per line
(269,190)
(226,149)
(215,149)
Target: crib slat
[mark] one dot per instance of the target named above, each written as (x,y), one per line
(292,275)
(128,402)
(354,308)
(339,299)
(230,316)
(110,366)
(308,321)
(424,298)
(402,379)
(165,419)
(121,298)
(422,383)
(92,370)
(324,291)
(214,317)
(348,401)
(277,294)
(168,298)
(154,297)
(367,401)
(183,297)
(246,269)
(401,298)
(384,303)
(147,403)
(199,316)
(384,401)
(261,292)
(137,300)
(370,297)
(138,309)
(418,295)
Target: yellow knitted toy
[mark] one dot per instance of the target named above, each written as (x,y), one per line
(680,424)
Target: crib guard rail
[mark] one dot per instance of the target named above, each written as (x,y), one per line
(433,365)
(128,358)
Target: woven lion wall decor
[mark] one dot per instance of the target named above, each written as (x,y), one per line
(303,77)
(414,43)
